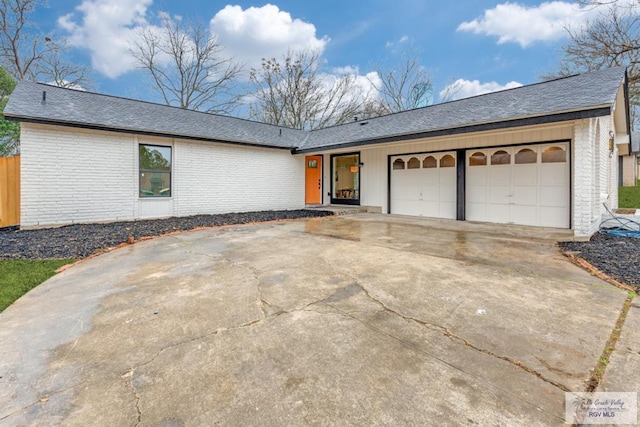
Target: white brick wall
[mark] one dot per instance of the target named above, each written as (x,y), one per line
(222,178)
(584,179)
(595,174)
(72,175)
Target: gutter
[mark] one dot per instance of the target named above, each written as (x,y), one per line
(102,128)
(504,124)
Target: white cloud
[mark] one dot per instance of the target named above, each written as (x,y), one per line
(462,88)
(367,85)
(364,86)
(263,32)
(105,29)
(513,22)
(347,69)
(401,40)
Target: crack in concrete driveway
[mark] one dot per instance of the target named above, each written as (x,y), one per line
(461,340)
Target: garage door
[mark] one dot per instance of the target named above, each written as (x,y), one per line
(520,185)
(424,185)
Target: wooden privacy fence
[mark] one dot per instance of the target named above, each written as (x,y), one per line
(9,191)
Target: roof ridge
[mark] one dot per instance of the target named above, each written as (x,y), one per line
(473,97)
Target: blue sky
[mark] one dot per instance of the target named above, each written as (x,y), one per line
(485,45)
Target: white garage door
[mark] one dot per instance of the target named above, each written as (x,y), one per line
(424,185)
(520,185)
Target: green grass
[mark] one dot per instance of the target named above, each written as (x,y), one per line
(629,197)
(19,276)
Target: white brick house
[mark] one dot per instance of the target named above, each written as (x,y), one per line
(542,155)
(80,175)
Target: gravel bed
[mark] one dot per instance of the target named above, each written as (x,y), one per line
(81,240)
(618,257)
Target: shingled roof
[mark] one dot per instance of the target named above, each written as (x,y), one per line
(581,96)
(41,103)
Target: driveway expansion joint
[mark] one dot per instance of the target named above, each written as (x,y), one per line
(599,371)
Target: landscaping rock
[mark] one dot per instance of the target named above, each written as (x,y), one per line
(618,257)
(81,240)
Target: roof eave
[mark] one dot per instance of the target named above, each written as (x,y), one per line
(104,128)
(598,111)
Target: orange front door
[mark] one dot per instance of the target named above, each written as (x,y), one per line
(313,180)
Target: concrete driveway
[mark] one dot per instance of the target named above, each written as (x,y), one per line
(353,320)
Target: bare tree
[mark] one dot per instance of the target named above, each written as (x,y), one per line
(21,45)
(405,86)
(293,92)
(451,90)
(57,70)
(187,66)
(612,39)
(598,3)
(372,106)
(27,53)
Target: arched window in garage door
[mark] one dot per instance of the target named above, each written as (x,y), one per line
(554,155)
(413,163)
(447,161)
(501,157)
(478,159)
(526,156)
(398,164)
(429,162)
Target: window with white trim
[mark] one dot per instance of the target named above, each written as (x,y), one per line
(155,171)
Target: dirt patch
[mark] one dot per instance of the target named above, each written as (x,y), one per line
(625,211)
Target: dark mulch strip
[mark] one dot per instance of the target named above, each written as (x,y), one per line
(81,240)
(618,257)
